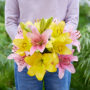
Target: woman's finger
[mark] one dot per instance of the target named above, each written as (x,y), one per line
(79,36)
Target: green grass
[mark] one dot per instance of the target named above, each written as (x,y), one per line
(6,66)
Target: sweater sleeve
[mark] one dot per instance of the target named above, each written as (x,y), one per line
(11,17)
(72,15)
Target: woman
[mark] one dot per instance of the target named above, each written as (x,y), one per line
(24,10)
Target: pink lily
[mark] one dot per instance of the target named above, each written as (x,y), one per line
(38,40)
(74,36)
(19,61)
(65,63)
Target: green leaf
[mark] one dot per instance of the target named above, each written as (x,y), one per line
(45,24)
(48,23)
(42,25)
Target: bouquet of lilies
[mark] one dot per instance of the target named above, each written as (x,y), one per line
(41,47)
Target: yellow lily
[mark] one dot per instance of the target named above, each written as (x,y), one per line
(58,48)
(23,44)
(58,44)
(51,60)
(57,28)
(59,39)
(40,63)
(62,39)
(61,49)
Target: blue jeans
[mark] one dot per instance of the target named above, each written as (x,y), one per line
(51,81)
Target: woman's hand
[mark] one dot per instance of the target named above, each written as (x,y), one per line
(78,35)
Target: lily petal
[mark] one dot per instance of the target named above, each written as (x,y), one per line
(30,71)
(70,68)
(32,50)
(41,48)
(51,68)
(35,31)
(61,73)
(77,44)
(47,33)
(13,56)
(74,58)
(40,72)
(20,68)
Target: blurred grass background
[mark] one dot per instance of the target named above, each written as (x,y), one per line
(80,80)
